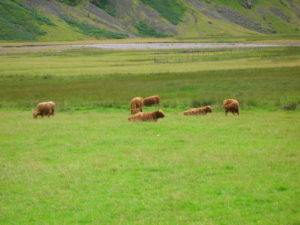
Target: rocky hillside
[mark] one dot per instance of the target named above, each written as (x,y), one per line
(48,20)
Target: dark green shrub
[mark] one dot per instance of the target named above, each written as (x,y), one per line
(172,10)
(93,31)
(248,4)
(103,4)
(148,31)
(290,106)
(71,2)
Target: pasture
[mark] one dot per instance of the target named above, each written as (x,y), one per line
(89,165)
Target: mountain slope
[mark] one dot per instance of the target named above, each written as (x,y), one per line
(48,20)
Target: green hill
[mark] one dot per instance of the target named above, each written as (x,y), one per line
(57,20)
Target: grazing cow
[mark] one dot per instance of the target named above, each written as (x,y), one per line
(44,109)
(53,106)
(152,100)
(231,105)
(147,116)
(136,105)
(198,111)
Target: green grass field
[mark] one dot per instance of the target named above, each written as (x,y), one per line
(60,62)
(97,168)
(258,77)
(89,165)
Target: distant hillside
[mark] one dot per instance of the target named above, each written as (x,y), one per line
(55,20)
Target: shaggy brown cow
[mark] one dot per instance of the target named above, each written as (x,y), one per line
(44,109)
(53,106)
(198,111)
(136,105)
(190,112)
(231,105)
(147,116)
(152,100)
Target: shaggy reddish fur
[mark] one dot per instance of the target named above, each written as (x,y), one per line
(136,105)
(44,109)
(231,105)
(199,111)
(53,106)
(152,100)
(147,116)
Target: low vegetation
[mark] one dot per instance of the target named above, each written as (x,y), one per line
(145,30)
(93,31)
(103,4)
(263,78)
(264,88)
(34,20)
(19,22)
(172,10)
(89,165)
(71,2)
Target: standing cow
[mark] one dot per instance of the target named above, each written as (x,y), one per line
(53,106)
(136,105)
(44,109)
(152,100)
(231,105)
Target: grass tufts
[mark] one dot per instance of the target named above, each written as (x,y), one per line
(290,106)
(70,2)
(89,77)
(198,103)
(289,103)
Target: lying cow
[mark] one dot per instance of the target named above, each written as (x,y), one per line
(198,111)
(147,116)
(152,100)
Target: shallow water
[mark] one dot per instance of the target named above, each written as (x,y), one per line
(143,46)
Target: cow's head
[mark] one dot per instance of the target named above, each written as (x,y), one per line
(159,114)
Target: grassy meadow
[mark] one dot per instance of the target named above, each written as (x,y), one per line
(89,165)
(70,62)
(258,77)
